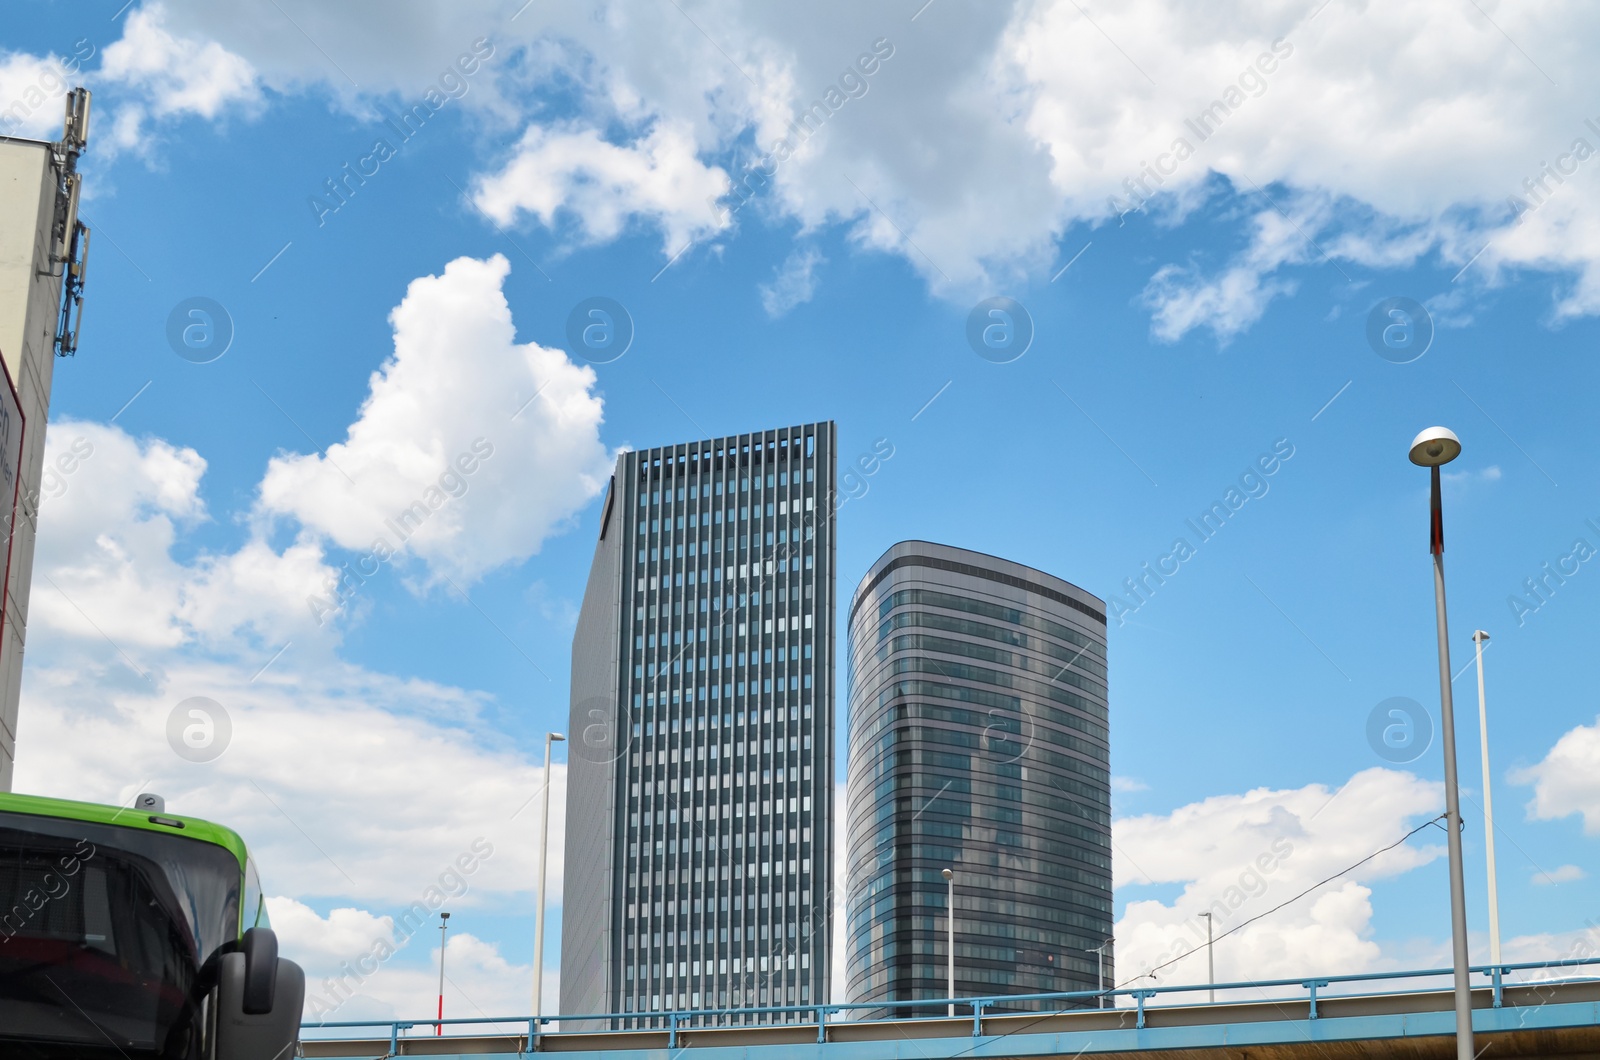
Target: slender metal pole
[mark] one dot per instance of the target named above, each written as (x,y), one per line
(444,924)
(1211,967)
(1452,794)
(544,843)
(1478,638)
(950,931)
(1100,972)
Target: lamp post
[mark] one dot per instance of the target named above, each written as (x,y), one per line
(1431,449)
(1211,968)
(1478,638)
(544,842)
(950,933)
(444,924)
(1100,972)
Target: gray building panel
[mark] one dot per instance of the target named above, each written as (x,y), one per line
(706,654)
(587,885)
(979,743)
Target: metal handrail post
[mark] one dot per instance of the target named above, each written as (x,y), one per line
(1312,985)
(1140,995)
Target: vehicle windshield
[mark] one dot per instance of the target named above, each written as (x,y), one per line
(103,933)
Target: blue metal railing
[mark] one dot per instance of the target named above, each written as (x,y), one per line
(820,1012)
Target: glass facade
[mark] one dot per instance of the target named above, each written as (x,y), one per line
(978,743)
(700,780)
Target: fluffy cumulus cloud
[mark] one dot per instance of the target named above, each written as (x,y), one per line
(1372,151)
(33,88)
(1239,856)
(470,449)
(969,141)
(164,74)
(112,508)
(1567,780)
(602,185)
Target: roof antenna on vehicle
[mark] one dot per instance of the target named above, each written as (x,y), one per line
(150,803)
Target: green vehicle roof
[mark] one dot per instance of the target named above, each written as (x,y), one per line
(125,817)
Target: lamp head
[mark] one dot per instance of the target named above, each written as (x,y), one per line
(558,738)
(947,874)
(1435,446)
(1480,636)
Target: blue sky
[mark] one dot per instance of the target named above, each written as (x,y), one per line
(1185,339)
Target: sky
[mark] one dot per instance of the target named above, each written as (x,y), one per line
(1086,272)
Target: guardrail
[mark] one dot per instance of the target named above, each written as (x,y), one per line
(975,1006)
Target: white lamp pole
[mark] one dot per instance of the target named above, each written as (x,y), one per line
(1431,449)
(1100,971)
(1211,968)
(1478,638)
(444,924)
(950,932)
(538,918)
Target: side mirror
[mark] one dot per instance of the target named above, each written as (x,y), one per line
(260,998)
(260,970)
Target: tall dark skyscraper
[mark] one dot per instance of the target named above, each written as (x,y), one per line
(978,743)
(700,779)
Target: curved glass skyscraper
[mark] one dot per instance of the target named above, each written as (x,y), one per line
(978,743)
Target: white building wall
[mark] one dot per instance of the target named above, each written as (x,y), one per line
(30,299)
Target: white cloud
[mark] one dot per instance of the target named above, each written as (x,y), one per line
(171,76)
(1183,298)
(985,135)
(458,393)
(107,526)
(1563,874)
(112,508)
(32,91)
(794,284)
(1240,855)
(1128,785)
(1551,948)
(362,966)
(657,177)
(1468,477)
(1567,780)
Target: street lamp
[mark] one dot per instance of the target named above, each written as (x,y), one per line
(1211,968)
(1100,972)
(1478,638)
(950,932)
(538,917)
(1432,448)
(444,924)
